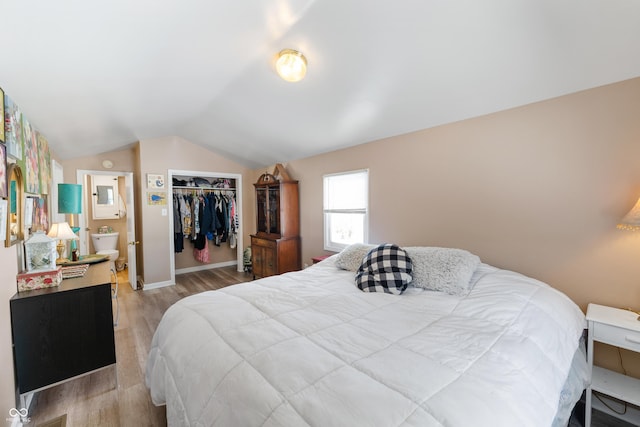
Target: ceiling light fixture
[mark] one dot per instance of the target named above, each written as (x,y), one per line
(291,65)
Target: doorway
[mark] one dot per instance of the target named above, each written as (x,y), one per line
(83,177)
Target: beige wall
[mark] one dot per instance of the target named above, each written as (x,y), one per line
(123,161)
(537,189)
(157,156)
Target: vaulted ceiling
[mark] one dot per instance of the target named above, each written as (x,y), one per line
(95,76)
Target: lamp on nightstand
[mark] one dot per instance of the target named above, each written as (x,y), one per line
(631,221)
(61,232)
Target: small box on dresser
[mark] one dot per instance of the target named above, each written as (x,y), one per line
(39,279)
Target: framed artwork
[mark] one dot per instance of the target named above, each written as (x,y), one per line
(15,196)
(13,129)
(2,130)
(3,219)
(28,213)
(44,162)
(41,214)
(32,171)
(3,171)
(155,181)
(156,198)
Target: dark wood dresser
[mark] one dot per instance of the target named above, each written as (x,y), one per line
(62,332)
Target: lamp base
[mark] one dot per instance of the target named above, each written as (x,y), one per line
(60,247)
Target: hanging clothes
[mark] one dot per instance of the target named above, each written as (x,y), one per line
(202,214)
(202,255)
(206,217)
(185,213)
(178,236)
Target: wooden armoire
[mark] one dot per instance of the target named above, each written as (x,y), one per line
(275,248)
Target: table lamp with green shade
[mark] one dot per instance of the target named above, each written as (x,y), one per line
(70,202)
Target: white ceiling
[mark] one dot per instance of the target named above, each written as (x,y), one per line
(95,76)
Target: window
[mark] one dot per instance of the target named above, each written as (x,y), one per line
(346,211)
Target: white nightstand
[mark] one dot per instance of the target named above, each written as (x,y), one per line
(619,328)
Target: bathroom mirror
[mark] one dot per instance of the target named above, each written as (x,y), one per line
(15,196)
(104,189)
(105,195)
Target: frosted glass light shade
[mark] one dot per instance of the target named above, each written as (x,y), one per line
(631,221)
(291,65)
(70,198)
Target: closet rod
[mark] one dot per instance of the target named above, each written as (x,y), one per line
(175,187)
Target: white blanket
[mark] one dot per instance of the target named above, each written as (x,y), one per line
(309,348)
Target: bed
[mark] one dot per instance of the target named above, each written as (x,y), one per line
(309,348)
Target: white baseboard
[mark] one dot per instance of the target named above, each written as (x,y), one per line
(156,285)
(149,286)
(205,267)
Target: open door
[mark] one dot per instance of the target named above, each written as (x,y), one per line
(132,243)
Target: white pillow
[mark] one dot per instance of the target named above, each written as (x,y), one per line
(442,269)
(351,257)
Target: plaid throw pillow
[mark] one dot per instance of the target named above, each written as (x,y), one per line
(386,268)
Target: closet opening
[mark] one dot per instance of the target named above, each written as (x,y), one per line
(205,219)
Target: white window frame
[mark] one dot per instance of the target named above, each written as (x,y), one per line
(330,245)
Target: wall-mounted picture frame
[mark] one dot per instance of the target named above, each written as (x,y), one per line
(15,201)
(155,181)
(44,163)
(41,214)
(156,198)
(3,170)
(27,221)
(3,219)
(2,131)
(13,129)
(32,171)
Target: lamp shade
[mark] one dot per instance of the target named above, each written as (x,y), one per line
(62,231)
(70,198)
(631,221)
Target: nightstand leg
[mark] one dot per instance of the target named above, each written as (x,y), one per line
(587,409)
(589,393)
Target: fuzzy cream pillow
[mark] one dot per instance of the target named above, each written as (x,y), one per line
(442,269)
(351,257)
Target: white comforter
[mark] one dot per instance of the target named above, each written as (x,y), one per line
(309,348)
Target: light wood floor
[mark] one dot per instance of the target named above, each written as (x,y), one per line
(94,400)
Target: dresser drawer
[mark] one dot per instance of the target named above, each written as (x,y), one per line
(616,336)
(271,244)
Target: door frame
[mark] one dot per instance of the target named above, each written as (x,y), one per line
(81,178)
(238,190)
